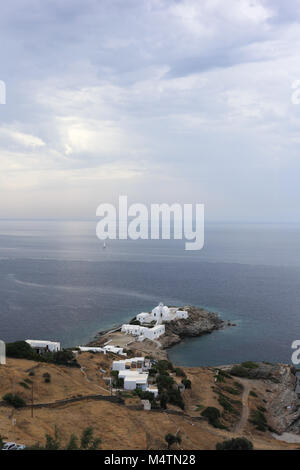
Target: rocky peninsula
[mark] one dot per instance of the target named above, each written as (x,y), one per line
(198,323)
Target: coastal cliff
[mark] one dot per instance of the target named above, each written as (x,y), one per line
(276,384)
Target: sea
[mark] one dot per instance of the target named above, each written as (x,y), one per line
(58,282)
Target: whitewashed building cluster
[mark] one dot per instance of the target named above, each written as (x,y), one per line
(162,313)
(159,314)
(106,349)
(135,373)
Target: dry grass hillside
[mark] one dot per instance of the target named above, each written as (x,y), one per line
(119,426)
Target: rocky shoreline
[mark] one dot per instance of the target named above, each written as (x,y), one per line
(199,322)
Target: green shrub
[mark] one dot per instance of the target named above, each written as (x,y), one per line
(252,393)
(259,420)
(240,371)
(24,385)
(238,385)
(14,400)
(187,383)
(262,409)
(145,395)
(163,366)
(222,375)
(225,402)
(250,365)
(88,442)
(220,378)
(171,439)
(175,398)
(63,357)
(179,372)
(47,377)
(164,381)
(199,407)
(239,443)
(168,392)
(120,382)
(232,391)
(213,415)
(20,350)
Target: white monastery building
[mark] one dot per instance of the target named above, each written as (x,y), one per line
(162,313)
(159,314)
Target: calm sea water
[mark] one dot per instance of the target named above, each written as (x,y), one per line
(57,282)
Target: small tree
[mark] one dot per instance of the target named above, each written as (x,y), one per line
(187,383)
(239,443)
(14,400)
(171,439)
(87,440)
(163,398)
(53,443)
(47,377)
(73,443)
(179,372)
(1,442)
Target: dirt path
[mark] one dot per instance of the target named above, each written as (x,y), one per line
(245,412)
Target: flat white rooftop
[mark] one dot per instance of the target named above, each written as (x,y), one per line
(41,343)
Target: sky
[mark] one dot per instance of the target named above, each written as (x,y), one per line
(161,100)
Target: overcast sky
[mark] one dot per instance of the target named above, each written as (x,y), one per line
(162,100)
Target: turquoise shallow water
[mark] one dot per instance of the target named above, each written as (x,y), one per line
(57,282)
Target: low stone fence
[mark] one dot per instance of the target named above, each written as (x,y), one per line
(67,401)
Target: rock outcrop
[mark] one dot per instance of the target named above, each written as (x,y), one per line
(283,403)
(199,322)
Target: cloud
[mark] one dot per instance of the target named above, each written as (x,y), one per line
(157,99)
(21,138)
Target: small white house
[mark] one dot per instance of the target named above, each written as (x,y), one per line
(134,373)
(114,349)
(146,404)
(133,379)
(42,347)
